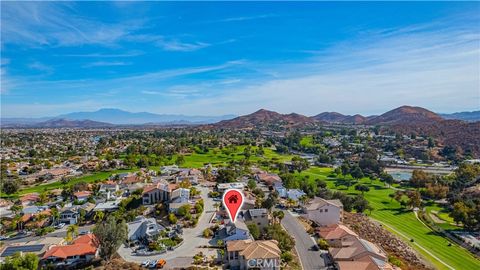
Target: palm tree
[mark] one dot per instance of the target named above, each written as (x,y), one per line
(99,216)
(72,231)
(290,203)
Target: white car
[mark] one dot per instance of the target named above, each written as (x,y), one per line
(153,264)
(60,225)
(145,263)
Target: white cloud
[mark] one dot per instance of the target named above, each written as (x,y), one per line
(107,64)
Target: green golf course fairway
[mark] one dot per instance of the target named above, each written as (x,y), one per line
(404,223)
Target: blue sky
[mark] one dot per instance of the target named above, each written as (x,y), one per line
(234,58)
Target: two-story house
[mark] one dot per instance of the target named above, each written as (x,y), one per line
(248,254)
(259,217)
(324,212)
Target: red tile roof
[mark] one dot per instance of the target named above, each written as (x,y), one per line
(83,245)
(30,197)
(82,194)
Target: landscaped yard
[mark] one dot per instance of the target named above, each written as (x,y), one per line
(404,223)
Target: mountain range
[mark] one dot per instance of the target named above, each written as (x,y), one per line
(116,117)
(109,117)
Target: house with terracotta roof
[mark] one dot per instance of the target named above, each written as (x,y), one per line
(268,178)
(159,192)
(360,255)
(249,254)
(324,212)
(29,199)
(83,250)
(337,235)
(82,196)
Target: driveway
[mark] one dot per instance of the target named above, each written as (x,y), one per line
(303,243)
(192,239)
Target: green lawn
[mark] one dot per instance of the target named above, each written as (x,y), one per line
(217,158)
(404,222)
(87,178)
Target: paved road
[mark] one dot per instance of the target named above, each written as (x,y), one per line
(310,259)
(192,239)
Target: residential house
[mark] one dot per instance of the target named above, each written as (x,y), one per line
(235,185)
(259,217)
(159,192)
(108,206)
(108,188)
(293,194)
(179,198)
(82,196)
(169,170)
(233,231)
(70,214)
(36,246)
(324,212)
(360,254)
(29,199)
(143,228)
(268,178)
(337,235)
(248,254)
(83,250)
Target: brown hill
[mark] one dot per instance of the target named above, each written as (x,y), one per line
(335,117)
(266,118)
(406,115)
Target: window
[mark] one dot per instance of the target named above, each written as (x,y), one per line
(326,210)
(321,210)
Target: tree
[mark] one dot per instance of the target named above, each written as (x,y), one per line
(184,210)
(207,233)
(419,178)
(386,178)
(356,172)
(276,232)
(180,160)
(72,232)
(362,188)
(10,186)
(99,216)
(414,199)
(345,169)
(111,234)
(361,204)
(251,184)
(254,230)
(322,244)
(172,218)
(17,261)
(225,176)
(278,215)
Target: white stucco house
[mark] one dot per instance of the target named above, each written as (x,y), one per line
(324,212)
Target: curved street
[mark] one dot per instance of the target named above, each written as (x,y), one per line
(192,240)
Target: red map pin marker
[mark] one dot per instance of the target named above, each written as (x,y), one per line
(233,201)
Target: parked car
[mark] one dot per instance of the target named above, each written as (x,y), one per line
(3,237)
(145,263)
(153,264)
(161,263)
(60,225)
(84,232)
